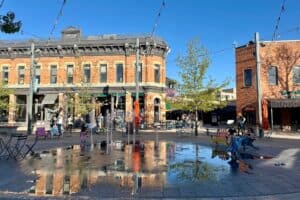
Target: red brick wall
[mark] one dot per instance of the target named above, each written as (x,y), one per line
(128,63)
(269,55)
(245,59)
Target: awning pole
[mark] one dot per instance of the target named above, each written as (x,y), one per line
(271,119)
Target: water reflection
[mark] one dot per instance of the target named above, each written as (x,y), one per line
(65,171)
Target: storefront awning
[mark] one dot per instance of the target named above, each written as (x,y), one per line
(284,103)
(49,99)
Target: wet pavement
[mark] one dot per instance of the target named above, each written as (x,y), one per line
(163,166)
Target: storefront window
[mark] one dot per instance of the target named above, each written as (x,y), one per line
(20,112)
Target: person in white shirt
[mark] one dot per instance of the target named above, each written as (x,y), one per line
(59,123)
(70,123)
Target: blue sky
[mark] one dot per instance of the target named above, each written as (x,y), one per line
(217,23)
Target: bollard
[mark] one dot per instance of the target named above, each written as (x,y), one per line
(207,132)
(261,133)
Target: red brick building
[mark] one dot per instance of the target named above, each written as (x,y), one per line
(279,83)
(104,66)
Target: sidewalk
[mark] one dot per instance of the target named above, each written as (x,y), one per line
(213,129)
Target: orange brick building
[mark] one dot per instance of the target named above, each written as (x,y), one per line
(279,83)
(104,66)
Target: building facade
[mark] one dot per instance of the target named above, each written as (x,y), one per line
(100,67)
(279,83)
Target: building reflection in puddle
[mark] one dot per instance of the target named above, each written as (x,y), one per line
(65,171)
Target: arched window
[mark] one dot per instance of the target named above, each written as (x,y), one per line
(273,75)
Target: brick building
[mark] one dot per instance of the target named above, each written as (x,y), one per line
(101,66)
(279,83)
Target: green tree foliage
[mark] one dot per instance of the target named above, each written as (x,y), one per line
(85,104)
(4,97)
(8,25)
(197,92)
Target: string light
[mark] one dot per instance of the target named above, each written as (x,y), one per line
(60,13)
(1,4)
(278,20)
(296,29)
(30,34)
(163,4)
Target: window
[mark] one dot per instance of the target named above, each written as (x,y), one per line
(273,75)
(119,73)
(87,73)
(38,74)
(296,75)
(53,74)
(156,73)
(248,77)
(5,75)
(21,72)
(140,72)
(20,111)
(103,73)
(70,72)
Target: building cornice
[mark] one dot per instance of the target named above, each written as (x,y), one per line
(90,46)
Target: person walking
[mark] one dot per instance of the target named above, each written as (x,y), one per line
(59,124)
(70,124)
(241,124)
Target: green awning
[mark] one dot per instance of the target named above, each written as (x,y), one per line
(141,94)
(102,95)
(113,94)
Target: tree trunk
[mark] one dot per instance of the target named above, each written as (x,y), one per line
(196,123)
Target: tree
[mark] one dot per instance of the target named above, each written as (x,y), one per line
(197,92)
(4,97)
(285,57)
(7,24)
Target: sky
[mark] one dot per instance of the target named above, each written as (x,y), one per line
(218,24)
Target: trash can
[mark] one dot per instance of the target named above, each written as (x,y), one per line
(261,132)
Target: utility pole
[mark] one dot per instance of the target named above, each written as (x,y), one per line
(30,92)
(137,64)
(258,84)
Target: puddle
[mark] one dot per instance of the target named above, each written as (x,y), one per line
(70,170)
